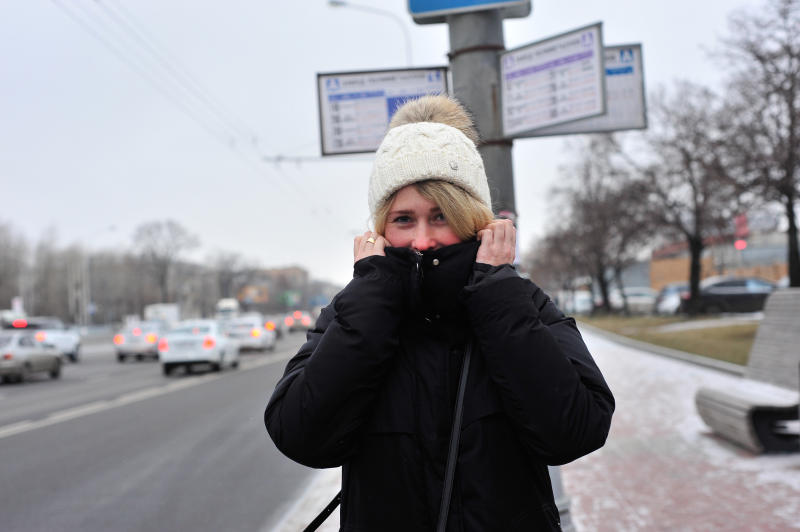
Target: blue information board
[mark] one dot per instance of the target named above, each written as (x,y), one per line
(428,11)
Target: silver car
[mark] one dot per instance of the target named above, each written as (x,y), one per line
(195,343)
(252,332)
(139,340)
(21,355)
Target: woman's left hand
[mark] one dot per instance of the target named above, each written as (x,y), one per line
(498,243)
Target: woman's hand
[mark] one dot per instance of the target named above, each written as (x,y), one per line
(367,245)
(498,243)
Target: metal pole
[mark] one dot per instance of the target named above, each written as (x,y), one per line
(475,40)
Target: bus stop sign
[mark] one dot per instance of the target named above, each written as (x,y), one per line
(435,11)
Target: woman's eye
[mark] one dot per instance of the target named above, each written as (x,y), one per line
(439,218)
(402,219)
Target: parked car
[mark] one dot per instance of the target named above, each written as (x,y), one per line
(197,343)
(54,332)
(139,340)
(668,300)
(21,355)
(576,302)
(731,294)
(640,299)
(298,320)
(251,332)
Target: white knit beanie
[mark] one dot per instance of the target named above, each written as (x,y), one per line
(426,150)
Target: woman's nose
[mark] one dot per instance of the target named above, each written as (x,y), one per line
(422,238)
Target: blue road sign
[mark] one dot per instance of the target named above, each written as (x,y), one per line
(435,10)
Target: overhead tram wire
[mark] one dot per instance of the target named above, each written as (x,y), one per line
(180,75)
(135,28)
(288,186)
(139,70)
(125,41)
(292,188)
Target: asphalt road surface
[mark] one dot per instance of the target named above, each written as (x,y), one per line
(120,447)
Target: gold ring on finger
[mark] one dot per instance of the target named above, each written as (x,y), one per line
(371,240)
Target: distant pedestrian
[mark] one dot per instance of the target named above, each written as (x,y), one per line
(425,441)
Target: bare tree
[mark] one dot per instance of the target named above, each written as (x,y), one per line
(687,177)
(229,268)
(604,213)
(13,258)
(764,101)
(160,245)
(49,276)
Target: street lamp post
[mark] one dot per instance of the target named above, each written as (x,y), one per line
(378,11)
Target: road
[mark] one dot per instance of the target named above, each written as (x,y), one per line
(120,447)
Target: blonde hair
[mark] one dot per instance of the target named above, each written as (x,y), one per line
(465,214)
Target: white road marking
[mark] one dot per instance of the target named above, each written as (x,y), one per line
(131,397)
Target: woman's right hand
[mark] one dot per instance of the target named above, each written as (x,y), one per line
(368,244)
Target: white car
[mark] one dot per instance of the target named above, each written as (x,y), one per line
(640,299)
(21,355)
(53,331)
(668,300)
(197,343)
(252,332)
(139,340)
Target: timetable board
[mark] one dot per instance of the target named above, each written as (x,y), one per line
(355,107)
(553,81)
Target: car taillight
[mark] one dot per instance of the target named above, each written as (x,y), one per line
(19,324)
(208,342)
(119,339)
(40,336)
(163,345)
(297,314)
(151,338)
(255,333)
(270,326)
(289,321)
(137,331)
(8,356)
(306,321)
(685,295)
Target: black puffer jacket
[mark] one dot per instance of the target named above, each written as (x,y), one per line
(373,390)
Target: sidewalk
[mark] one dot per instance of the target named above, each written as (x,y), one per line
(660,470)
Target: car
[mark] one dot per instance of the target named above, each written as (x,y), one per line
(668,300)
(252,332)
(21,355)
(298,320)
(731,294)
(576,302)
(195,343)
(53,331)
(139,340)
(640,299)
(276,322)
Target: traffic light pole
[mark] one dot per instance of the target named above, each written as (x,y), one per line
(476,38)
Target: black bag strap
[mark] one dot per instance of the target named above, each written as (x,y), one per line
(455,437)
(323,515)
(452,455)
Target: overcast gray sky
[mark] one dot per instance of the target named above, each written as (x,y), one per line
(92,148)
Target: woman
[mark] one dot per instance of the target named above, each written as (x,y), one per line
(377,387)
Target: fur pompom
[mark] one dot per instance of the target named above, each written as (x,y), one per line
(436,108)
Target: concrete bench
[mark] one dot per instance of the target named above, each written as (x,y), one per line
(760,413)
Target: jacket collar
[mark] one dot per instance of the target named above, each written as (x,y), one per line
(438,277)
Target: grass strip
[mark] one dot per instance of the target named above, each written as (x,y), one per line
(729,343)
